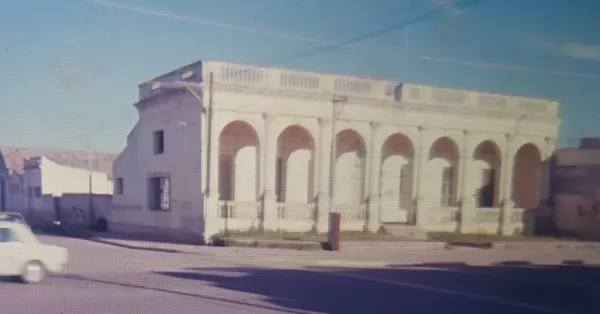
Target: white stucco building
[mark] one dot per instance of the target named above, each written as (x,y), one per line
(37,179)
(252,148)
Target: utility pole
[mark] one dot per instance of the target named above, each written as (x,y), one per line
(332,160)
(209,137)
(91,190)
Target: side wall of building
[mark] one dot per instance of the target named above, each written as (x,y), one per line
(576,191)
(59,179)
(179,117)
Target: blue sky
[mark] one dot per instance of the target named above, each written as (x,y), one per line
(69,68)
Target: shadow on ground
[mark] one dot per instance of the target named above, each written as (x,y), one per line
(508,287)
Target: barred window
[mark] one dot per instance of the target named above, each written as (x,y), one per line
(159,193)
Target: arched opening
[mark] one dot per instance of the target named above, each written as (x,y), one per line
(442,172)
(349,168)
(397,154)
(294,174)
(238,162)
(486,174)
(527,177)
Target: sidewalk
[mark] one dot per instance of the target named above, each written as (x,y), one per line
(366,255)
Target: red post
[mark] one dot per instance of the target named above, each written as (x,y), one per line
(334,231)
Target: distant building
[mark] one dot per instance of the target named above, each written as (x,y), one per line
(4,175)
(253,151)
(576,188)
(37,178)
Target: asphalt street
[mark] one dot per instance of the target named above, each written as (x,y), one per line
(107,279)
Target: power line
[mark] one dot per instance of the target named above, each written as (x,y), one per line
(350,43)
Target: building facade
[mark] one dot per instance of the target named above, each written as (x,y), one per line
(221,146)
(575,188)
(36,185)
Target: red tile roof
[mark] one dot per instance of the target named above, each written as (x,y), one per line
(14,158)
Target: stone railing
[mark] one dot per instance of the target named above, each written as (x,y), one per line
(309,82)
(294,211)
(239,210)
(454,98)
(448,214)
(488,215)
(386,91)
(516,215)
(351,212)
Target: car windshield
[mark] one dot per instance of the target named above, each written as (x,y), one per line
(12,218)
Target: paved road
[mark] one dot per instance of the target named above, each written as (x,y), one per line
(107,279)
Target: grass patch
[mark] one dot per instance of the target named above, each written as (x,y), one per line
(309,236)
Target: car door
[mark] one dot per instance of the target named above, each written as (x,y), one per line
(11,256)
(4,254)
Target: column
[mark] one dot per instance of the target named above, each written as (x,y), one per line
(420,162)
(507,176)
(374,166)
(467,204)
(269,167)
(323,153)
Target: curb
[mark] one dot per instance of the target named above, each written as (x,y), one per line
(525,245)
(551,245)
(395,246)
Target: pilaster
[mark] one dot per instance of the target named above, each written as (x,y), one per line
(374,167)
(419,169)
(467,202)
(323,153)
(507,176)
(269,166)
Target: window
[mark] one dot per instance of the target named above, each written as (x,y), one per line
(38,192)
(7,235)
(119,186)
(447,199)
(159,142)
(159,193)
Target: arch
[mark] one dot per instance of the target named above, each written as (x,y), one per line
(295,165)
(395,188)
(238,162)
(349,184)
(485,174)
(442,172)
(527,176)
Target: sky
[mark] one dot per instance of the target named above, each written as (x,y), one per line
(69,69)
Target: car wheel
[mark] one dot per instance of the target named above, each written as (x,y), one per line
(33,272)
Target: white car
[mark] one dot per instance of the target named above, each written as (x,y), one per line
(24,256)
